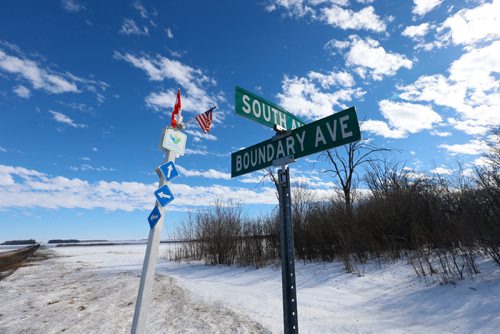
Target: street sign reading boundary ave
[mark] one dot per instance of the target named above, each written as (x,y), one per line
(256,108)
(335,130)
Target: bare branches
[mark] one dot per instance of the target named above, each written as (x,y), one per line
(345,165)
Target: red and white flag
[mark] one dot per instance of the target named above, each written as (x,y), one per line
(177,111)
(205,120)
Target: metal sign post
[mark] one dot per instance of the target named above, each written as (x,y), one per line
(292,141)
(290,316)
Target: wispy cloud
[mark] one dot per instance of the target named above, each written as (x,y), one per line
(144,13)
(368,58)
(170,34)
(335,13)
(199,134)
(318,94)
(473,147)
(14,62)
(210,173)
(87,167)
(22,91)
(62,118)
(21,187)
(72,6)
(196,98)
(422,7)
(129,27)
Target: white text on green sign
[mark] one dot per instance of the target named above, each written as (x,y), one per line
(260,110)
(338,129)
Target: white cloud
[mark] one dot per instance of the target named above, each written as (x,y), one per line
(470,26)
(87,167)
(38,77)
(473,147)
(141,9)
(191,151)
(472,89)
(21,187)
(170,34)
(440,133)
(441,171)
(199,134)
(409,117)
(365,19)
(62,118)
(381,128)
(210,173)
(416,32)
(16,63)
(196,99)
(292,8)
(129,27)
(314,97)
(331,12)
(403,119)
(422,7)
(368,57)
(22,91)
(72,6)
(3,149)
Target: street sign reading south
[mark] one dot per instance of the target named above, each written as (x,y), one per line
(335,130)
(169,171)
(174,140)
(260,110)
(154,216)
(164,195)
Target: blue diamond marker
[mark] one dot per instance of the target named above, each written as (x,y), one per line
(154,216)
(164,196)
(169,171)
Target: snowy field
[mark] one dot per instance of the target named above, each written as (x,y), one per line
(93,290)
(10,248)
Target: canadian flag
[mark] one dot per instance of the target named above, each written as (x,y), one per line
(177,111)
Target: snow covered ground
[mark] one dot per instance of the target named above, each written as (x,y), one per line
(93,290)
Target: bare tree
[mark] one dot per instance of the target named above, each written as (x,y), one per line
(345,166)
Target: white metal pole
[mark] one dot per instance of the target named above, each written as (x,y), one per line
(148,269)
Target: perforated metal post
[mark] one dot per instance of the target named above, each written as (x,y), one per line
(290,316)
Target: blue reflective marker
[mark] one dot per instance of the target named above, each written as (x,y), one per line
(169,171)
(154,216)
(164,196)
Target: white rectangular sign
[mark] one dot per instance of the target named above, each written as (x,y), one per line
(174,140)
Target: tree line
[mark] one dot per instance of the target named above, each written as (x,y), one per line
(440,224)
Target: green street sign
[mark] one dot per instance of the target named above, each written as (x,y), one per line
(256,108)
(335,130)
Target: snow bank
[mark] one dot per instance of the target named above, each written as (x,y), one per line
(93,290)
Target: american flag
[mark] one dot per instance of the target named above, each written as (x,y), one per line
(205,120)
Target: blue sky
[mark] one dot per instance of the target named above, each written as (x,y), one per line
(87,86)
